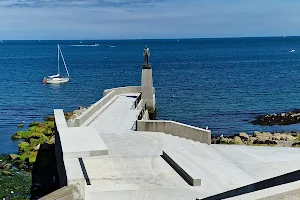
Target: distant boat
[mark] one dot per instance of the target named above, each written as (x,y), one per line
(111,46)
(292,50)
(80,42)
(84,45)
(1,41)
(57,79)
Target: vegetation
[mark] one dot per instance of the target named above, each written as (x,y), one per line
(14,183)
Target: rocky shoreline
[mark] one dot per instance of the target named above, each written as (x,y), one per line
(287,139)
(288,118)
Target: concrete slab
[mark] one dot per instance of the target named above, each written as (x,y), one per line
(80,142)
(288,191)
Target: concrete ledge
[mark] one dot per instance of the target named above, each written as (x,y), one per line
(98,112)
(124,90)
(60,120)
(94,108)
(81,142)
(175,129)
(67,192)
(104,102)
(183,166)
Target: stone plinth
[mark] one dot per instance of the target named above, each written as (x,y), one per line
(147,87)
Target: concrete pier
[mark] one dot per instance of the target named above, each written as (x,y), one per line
(115,152)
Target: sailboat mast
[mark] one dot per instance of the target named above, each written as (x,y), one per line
(62,57)
(58,58)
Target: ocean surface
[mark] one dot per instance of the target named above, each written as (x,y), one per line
(219,83)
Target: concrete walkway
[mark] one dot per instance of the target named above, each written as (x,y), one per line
(134,168)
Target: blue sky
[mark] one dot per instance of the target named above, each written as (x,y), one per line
(138,19)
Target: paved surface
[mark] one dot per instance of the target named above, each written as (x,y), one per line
(288,191)
(134,168)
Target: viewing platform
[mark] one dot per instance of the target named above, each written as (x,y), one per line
(115,151)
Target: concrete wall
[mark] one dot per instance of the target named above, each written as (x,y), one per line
(123,90)
(108,97)
(60,123)
(175,129)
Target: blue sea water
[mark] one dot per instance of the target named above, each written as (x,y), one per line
(220,83)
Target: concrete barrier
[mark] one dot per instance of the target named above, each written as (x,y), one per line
(175,129)
(124,90)
(105,101)
(94,108)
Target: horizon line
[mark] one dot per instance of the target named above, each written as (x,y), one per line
(185,38)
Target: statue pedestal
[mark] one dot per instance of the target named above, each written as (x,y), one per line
(148,93)
(146,66)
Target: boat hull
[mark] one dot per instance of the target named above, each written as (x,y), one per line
(56,80)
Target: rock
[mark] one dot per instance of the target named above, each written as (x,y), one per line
(276,136)
(290,138)
(15,137)
(51,140)
(24,147)
(244,136)
(6,173)
(237,140)
(13,156)
(37,147)
(23,166)
(2,164)
(7,166)
(266,135)
(267,142)
(296,144)
(292,117)
(34,124)
(270,142)
(20,125)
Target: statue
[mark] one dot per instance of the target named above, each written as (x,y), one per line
(146,55)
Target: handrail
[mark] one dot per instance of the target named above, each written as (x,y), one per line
(140,116)
(136,102)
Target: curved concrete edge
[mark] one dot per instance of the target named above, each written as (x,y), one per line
(123,90)
(175,129)
(94,108)
(104,102)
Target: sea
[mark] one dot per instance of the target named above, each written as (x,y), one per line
(222,83)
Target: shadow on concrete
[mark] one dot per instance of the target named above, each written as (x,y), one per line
(44,172)
(278,180)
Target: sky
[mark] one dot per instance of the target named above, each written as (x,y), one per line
(147,19)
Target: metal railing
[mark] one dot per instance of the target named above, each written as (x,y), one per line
(137,101)
(140,116)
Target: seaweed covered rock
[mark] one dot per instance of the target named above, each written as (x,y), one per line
(24,147)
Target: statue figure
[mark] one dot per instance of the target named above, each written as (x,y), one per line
(146,55)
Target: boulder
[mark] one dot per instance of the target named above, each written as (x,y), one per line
(13,156)
(290,138)
(296,144)
(37,147)
(244,136)
(23,166)
(237,140)
(276,136)
(51,140)
(7,166)
(6,173)
(262,135)
(24,147)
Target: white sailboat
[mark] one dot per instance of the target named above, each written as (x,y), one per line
(57,79)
